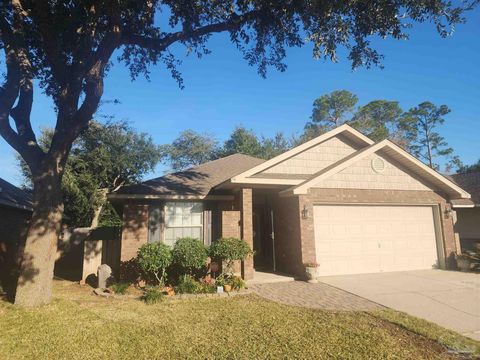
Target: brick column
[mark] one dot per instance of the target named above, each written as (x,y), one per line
(247,230)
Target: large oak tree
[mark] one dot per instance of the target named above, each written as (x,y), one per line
(67,46)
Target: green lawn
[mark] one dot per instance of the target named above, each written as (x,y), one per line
(79,325)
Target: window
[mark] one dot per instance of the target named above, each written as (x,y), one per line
(154,224)
(182,219)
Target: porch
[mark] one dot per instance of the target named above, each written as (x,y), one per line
(263,277)
(270,224)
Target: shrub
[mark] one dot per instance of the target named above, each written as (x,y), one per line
(188,285)
(129,271)
(229,250)
(153,260)
(236,282)
(189,254)
(152,296)
(208,288)
(120,288)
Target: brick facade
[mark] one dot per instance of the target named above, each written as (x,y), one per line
(294,236)
(229,219)
(352,196)
(228,214)
(135,229)
(246,202)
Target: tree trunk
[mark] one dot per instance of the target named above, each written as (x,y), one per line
(35,282)
(102,194)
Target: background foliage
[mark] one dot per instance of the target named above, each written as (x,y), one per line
(104,158)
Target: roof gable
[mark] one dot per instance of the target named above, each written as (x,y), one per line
(299,163)
(314,159)
(362,175)
(422,173)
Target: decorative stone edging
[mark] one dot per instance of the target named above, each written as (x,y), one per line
(106,294)
(212,295)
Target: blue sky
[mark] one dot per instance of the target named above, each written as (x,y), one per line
(222,91)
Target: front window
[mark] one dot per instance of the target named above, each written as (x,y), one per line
(182,219)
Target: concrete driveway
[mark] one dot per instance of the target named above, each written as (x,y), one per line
(448,298)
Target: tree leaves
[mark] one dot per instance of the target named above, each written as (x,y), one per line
(104,158)
(191,148)
(420,125)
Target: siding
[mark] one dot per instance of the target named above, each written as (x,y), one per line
(316,158)
(362,176)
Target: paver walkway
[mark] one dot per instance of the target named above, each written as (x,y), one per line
(317,296)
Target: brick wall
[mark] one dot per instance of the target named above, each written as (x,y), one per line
(353,196)
(229,219)
(135,229)
(246,201)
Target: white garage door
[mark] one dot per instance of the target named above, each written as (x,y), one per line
(354,239)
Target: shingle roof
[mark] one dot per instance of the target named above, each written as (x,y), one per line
(470,182)
(12,196)
(198,180)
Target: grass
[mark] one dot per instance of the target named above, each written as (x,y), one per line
(79,325)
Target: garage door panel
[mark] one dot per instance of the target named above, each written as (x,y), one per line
(368,238)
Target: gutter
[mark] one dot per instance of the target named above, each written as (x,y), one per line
(170,197)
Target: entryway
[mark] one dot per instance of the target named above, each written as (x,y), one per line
(263,233)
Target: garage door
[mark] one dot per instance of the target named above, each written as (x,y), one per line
(354,239)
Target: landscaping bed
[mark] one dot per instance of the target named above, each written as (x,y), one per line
(187,268)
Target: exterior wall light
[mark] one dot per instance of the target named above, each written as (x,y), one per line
(448,213)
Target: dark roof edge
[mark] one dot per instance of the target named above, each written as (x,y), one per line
(16,206)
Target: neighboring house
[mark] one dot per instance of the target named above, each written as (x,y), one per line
(468,213)
(340,200)
(15,213)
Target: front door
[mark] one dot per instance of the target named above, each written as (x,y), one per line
(262,239)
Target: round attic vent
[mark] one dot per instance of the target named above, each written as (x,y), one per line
(378,165)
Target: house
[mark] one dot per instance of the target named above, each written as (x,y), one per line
(467,212)
(15,213)
(340,200)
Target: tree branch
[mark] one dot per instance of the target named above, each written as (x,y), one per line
(8,94)
(41,16)
(71,121)
(235,22)
(18,85)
